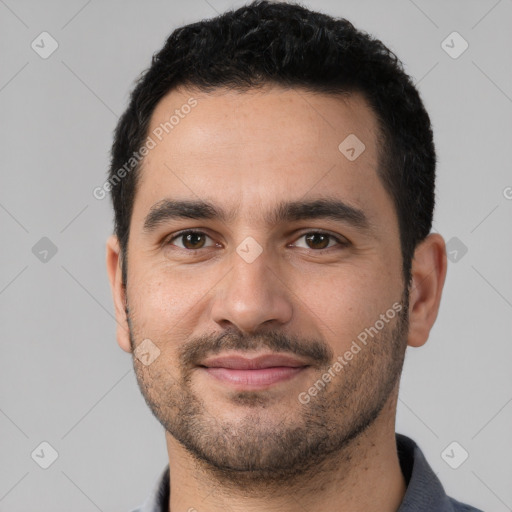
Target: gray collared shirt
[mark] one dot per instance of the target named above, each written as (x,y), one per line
(424,490)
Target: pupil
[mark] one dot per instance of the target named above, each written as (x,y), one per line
(310,238)
(191,236)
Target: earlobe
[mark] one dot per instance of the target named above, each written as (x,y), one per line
(118,292)
(429,267)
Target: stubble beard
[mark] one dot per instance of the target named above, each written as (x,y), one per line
(317,437)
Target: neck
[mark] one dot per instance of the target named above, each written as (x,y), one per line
(366,476)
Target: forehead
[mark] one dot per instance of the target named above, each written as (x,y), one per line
(246,149)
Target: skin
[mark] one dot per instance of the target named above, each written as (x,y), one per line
(265,450)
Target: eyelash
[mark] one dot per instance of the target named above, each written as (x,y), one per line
(340,242)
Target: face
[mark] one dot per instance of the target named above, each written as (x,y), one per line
(304,263)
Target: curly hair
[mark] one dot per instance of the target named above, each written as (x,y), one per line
(289,45)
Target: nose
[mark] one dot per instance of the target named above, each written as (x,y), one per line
(252,294)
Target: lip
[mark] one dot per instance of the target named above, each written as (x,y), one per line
(253,373)
(238,362)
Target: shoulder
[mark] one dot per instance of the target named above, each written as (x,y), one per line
(424,489)
(462,507)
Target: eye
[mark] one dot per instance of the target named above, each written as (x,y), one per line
(192,240)
(318,240)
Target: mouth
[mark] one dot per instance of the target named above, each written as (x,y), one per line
(253,373)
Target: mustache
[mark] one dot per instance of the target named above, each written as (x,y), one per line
(191,353)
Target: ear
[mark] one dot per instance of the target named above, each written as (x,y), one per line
(118,292)
(429,267)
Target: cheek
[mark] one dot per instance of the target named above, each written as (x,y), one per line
(344,301)
(153,303)
(164,301)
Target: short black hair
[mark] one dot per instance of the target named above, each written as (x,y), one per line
(286,44)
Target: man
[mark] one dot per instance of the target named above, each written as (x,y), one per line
(273,187)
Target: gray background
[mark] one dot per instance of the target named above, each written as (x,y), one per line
(63,378)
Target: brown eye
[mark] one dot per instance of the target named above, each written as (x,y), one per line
(191,240)
(318,240)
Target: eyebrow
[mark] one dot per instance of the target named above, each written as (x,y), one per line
(325,208)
